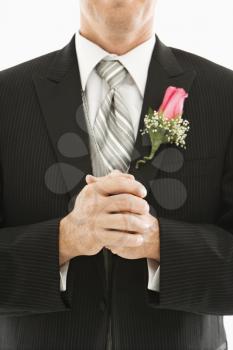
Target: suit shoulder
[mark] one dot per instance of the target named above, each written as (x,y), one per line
(212,80)
(205,68)
(22,72)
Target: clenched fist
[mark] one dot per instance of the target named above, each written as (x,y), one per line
(109,212)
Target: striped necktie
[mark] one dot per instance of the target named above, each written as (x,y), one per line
(113,127)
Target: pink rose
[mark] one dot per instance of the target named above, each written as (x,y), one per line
(173,102)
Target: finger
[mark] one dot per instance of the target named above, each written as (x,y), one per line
(122,239)
(124,222)
(116,171)
(119,173)
(120,185)
(91,178)
(126,203)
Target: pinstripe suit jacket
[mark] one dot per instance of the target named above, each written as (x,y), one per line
(40,107)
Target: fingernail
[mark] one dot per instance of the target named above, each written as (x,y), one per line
(144,192)
(91,179)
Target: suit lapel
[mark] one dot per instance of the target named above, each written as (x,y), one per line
(164,71)
(60,99)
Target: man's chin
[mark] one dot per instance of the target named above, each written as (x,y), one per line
(119,3)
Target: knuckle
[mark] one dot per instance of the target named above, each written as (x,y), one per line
(105,205)
(119,202)
(94,204)
(128,241)
(91,206)
(129,222)
(145,205)
(129,202)
(123,180)
(118,239)
(146,225)
(88,190)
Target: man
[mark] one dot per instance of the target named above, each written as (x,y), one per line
(124,258)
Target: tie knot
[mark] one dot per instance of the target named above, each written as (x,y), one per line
(113,72)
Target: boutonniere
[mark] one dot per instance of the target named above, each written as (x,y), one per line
(166,125)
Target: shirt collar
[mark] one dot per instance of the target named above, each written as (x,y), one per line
(136,61)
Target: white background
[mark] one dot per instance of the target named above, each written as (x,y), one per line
(30,28)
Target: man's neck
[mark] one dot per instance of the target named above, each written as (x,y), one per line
(117,44)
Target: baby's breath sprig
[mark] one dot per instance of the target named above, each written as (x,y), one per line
(163,130)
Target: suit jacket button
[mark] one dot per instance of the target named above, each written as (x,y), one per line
(102,305)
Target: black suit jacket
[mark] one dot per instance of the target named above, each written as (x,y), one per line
(44,157)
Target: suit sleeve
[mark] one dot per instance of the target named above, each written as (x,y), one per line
(196,260)
(29,269)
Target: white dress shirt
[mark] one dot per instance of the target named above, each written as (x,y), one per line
(136,61)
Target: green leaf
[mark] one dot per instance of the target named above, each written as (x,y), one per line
(150,111)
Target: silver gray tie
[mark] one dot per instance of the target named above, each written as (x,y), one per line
(113,128)
(114,137)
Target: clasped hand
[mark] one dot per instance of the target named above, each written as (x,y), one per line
(110,212)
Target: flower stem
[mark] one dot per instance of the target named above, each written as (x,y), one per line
(154,149)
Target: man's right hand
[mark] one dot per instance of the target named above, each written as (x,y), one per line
(104,214)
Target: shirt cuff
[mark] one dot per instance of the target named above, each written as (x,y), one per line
(153,275)
(63,276)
